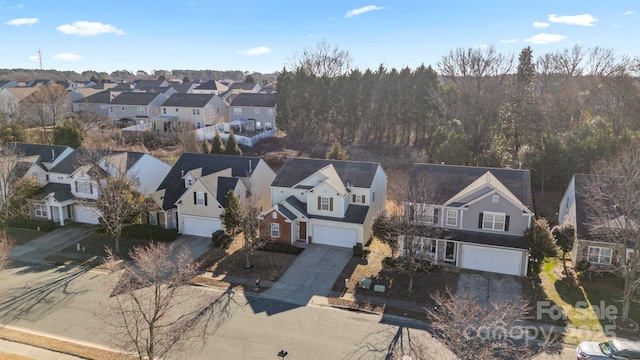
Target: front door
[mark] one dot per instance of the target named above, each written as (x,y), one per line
(302,229)
(450,252)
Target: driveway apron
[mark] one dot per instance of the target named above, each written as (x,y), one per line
(489,288)
(313,272)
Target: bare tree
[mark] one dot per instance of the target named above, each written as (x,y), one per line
(46,106)
(322,61)
(613,197)
(91,121)
(249,226)
(476,331)
(6,245)
(15,186)
(153,310)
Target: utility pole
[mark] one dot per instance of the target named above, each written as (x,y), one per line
(40,58)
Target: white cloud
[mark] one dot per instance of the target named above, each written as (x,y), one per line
(23,21)
(582,20)
(66,57)
(261,50)
(543,38)
(362,10)
(87,28)
(540,24)
(509,41)
(630,12)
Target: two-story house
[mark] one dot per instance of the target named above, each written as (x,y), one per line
(97,103)
(575,210)
(197,110)
(72,185)
(41,158)
(480,214)
(192,196)
(210,87)
(255,112)
(324,202)
(136,106)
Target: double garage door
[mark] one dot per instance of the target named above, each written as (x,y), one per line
(85,214)
(328,235)
(492,259)
(200,226)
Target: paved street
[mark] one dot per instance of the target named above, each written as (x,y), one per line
(62,301)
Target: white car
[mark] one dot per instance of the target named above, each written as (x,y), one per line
(613,349)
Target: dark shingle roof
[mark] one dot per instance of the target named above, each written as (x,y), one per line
(475,237)
(45,153)
(80,157)
(174,185)
(134,98)
(102,97)
(148,84)
(181,88)
(255,100)
(451,179)
(188,100)
(224,185)
(354,173)
(209,85)
(355,214)
(242,86)
(61,192)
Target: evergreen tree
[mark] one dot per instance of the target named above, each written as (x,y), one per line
(233,212)
(336,152)
(205,146)
(185,79)
(217,146)
(541,244)
(249,79)
(232,147)
(68,134)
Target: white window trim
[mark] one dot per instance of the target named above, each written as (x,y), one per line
(199,198)
(600,255)
(237,111)
(455,217)
(325,201)
(41,210)
(275,230)
(493,221)
(153,218)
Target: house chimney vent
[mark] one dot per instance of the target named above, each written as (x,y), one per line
(53,154)
(182,172)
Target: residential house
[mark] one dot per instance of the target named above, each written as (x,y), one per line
(198,110)
(574,211)
(138,107)
(327,202)
(39,82)
(10,99)
(254,112)
(211,87)
(192,196)
(7,84)
(97,103)
(41,158)
(72,186)
(144,85)
(239,88)
(478,216)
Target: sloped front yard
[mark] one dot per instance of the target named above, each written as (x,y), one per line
(395,281)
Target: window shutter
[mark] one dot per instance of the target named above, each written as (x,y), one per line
(319,202)
(353,198)
(330,204)
(480,220)
(506,223)
(90,188)
(435,216)
(195,198)
(363,201)
(76,183)
(205,199)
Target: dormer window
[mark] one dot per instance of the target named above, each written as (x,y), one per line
(189,181)
(325,203)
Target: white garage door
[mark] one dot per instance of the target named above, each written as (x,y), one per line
(200,226)
(86,214)
(491,259)
(329,235)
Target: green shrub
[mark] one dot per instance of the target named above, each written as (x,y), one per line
(359,251)
(44,226)
(390,262)
(221,239)
(281,248)
(149,232)
(583,265)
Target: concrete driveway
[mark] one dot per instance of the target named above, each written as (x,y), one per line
(313,272)
(37,250)
(489,288)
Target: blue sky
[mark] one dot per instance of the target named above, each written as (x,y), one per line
(259,35)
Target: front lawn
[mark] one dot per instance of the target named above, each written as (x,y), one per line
(582,302)
(22,236)
(396,281)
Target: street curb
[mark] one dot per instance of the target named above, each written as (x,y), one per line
(60,338)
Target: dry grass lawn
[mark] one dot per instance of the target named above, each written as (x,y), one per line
(60,346)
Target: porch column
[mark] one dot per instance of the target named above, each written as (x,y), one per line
(60,211)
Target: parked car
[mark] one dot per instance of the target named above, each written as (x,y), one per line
(613,349)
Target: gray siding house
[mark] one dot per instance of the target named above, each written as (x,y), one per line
(258,111)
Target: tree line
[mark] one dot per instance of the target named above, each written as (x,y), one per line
(554,114)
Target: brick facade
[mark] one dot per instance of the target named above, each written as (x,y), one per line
(285,228)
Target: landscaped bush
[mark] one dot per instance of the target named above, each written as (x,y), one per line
(149,232)
(359,251)
(221,239)
(422,265)
(583,265)
(44,226)
(281,248)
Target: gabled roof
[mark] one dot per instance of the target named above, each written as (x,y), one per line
(254,100)
(242,86)
(81,157)
(354,173)
(45,153)
(188,100)
(484,185)
(21,92)
(224,185)
(182,88)
(173,184)
(211,85)
(39,82)
(148,84)
(449,180)
(134,98)
(102,97)
(60,192)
